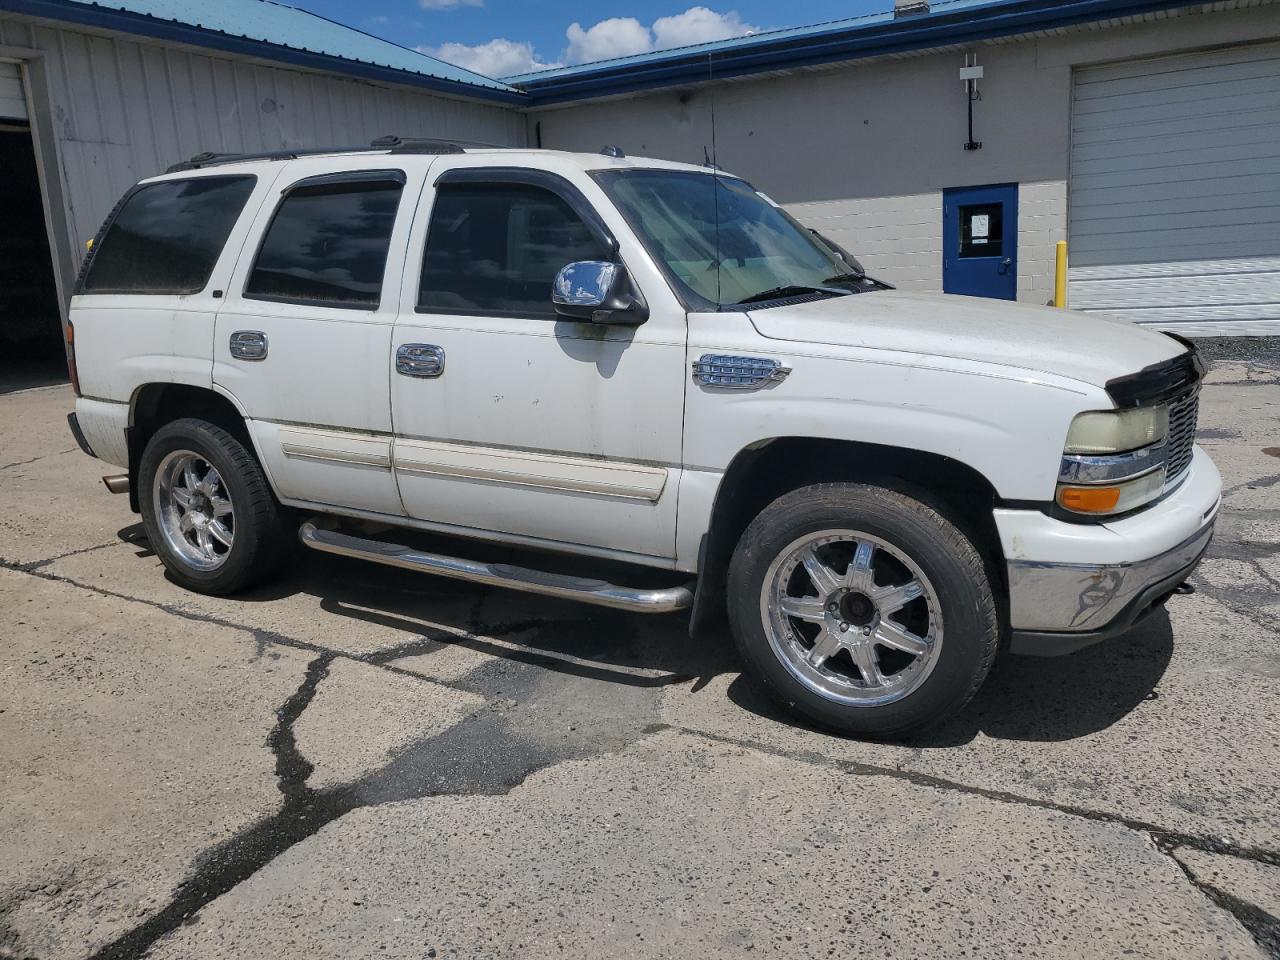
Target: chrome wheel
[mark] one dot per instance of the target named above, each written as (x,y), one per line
(194,510)
(852,617)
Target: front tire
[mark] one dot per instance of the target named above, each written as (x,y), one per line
(864,609)
(207,508)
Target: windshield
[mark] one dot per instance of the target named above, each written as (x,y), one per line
(757,249)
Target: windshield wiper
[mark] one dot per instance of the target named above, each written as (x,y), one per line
(791,290)
(858,278)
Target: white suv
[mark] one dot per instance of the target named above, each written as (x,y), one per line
(637,361)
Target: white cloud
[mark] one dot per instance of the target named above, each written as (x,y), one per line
(497,58)
(615,37)
(626,36)
(698,25)
(448,4)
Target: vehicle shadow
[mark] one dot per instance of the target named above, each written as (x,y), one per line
(435,613)
(1041,699)
(1024,698)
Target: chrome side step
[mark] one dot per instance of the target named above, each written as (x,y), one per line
(598,592)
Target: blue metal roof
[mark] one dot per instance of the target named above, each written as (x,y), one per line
(947,22)
(273,31)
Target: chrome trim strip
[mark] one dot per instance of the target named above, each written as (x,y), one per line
(1111,468)
(597,592)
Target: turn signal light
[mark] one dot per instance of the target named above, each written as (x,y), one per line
(1089,499)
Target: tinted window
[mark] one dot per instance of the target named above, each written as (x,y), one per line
(718,237)
(982,230)
(327,245)
(166,237)
(496,248)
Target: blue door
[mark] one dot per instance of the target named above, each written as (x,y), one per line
(980,241)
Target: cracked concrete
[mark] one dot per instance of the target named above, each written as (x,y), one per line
(364,762)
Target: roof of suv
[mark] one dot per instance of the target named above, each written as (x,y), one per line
(433,150)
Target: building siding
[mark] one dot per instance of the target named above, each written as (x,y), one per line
(123,109)
(863,151)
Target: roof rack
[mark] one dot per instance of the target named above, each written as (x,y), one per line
(391,143)
(210,159)
(397,144)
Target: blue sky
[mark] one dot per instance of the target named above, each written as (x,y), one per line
(502,37)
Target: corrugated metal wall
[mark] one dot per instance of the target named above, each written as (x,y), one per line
(13,104)
(1175,191)
(123,110)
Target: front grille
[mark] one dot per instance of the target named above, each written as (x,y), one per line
(1182,434)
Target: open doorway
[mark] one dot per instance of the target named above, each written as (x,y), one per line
(31,344)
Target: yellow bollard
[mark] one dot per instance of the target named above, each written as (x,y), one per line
(1060,276)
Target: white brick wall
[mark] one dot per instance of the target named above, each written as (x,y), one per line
(1042,222)
(898,239)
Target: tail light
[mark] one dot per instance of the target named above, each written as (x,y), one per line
(71,358)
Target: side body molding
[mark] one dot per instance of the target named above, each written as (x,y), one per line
(609,478)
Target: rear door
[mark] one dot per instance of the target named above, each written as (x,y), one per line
(303,338)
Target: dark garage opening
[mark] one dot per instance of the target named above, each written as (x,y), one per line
(31,347)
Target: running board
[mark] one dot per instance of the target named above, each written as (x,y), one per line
(598,592)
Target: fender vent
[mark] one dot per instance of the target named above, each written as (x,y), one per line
(737,373)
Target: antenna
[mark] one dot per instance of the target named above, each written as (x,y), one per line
(715,173)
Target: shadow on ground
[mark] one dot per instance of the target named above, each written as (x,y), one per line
(1024,698)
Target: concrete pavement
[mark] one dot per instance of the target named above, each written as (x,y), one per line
(357,761)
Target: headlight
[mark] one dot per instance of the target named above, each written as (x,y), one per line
(1114,460)
(1114,431)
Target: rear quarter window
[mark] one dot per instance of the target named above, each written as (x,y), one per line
(167,236)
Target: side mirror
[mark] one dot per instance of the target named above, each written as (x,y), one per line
(598,292)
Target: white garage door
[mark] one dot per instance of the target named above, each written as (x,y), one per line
(1175,191)
(13,105)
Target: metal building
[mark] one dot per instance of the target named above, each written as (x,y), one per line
(1145,133)
(949,145)
(95,96)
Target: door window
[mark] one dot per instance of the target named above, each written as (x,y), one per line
(982,230)
(166,237)
(495,248)
(327,243)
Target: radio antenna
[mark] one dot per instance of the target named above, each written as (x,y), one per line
(715,173)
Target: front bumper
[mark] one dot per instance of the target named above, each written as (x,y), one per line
(1072,585)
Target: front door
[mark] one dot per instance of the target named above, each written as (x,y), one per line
(980,241)
(510,420)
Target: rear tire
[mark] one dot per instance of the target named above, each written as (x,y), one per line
(864,609)
(208,509)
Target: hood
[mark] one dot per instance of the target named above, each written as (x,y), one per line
(1082,346)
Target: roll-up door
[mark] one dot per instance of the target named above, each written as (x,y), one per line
(1175,191)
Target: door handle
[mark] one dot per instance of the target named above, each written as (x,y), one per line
(420,360)
(249,345)
(1005,264)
